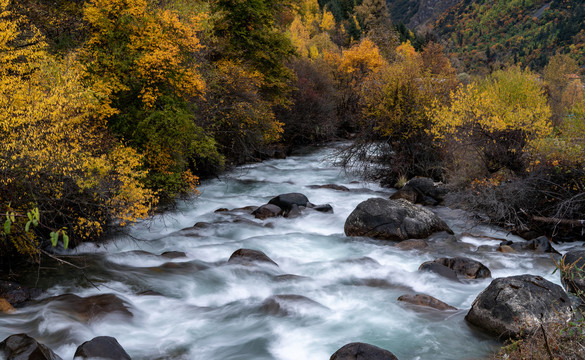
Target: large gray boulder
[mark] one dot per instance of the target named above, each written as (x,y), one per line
(23,347)
(362,351)
(393,220)
(516,306)
(573,272)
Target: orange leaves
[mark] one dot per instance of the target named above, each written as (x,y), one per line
(153,47)
(361,59)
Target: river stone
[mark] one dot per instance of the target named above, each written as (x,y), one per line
(468,268)
(89,308)
(267,211)
(439,269)
(427,187)
(102,347)
(249,256)
(573,275)
(515,306)
(412,244)
(286,201)
(408,193)
(426,301)
(362,351)
(23,347)
(283,305)
(392,220)
(16,293)
(329,186)
(540,244)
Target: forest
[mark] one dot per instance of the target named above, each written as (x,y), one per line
(112,111)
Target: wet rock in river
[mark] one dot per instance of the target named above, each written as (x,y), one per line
(464,267)
(421,190)
(249,256)
(267,211)
(393,220)
(439,269)
(573,271)
(23,347)
(286,201)
(426,301)
(102,347)
(329,186)
(173,254)
(541,244)
(284,305)
(362,351)
(412,244)
(16,293)
(86,309)
(516,306)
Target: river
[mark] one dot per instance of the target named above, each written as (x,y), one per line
(199,307)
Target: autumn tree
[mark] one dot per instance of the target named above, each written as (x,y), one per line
(496,119)
(56,156)
(374,20)
(250,33)
(146,57)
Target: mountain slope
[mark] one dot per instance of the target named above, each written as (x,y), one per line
(492,32)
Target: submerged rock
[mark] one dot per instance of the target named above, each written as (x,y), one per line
(516,306)
(465,267)
(362,351)
(249,256)
(89,308)
(439,269)
(284,305)
(393,220)
(102,347)
(573,271)
(329,186)
(412,244)
(426,301)
(23,347)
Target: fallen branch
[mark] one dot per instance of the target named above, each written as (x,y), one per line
(557,221)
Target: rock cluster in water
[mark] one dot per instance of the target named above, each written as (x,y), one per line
(24,347)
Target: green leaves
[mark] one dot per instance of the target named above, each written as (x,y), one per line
(54,235)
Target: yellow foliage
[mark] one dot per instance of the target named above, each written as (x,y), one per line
(406,50)
(507,101)
(308,30)
(361,60)
(159,42)
(328,21)
(54,143)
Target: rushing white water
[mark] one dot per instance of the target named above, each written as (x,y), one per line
(209,310)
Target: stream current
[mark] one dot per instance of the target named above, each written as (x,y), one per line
(199,307)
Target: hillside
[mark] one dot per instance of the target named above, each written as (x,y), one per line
(414,13)
(526,32)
